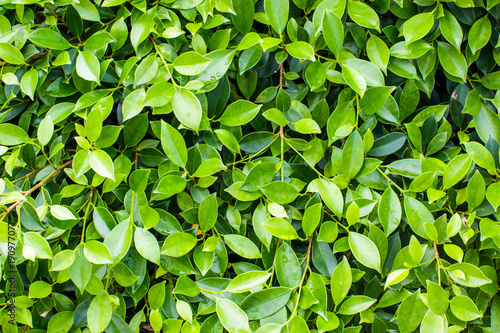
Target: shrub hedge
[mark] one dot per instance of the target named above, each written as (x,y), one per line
(228,165)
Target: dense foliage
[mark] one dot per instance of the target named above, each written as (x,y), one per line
(229,165)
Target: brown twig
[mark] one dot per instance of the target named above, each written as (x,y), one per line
(34,188)
(59,18)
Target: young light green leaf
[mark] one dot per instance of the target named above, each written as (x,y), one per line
(243,246)
(301,50)
(11,54)
(232,317)
(49,39)
(87,66)
(187,108)
(29,82)
(99,313)
(333,32)
(479,34)
(452,61)
(173,144)
(191,63)
(239,113)
(365,250)
(417,27)
(277,13)
(101,163)
(147,245)
(363,15)
(45,130)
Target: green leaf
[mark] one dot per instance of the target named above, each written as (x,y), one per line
(354,78)
(389,211)
(239,113)
(280,192)
(434,323)
(147,245)
(29,82)
(300,50)
(11,135)
(374,99)
(277,13)
(142,28)
(288,269)
(355,304)
(410,313)
(187,108)
(311,218)
(280,228)
(98,40)
(247,281)
(244,15)
(307,126)
(45,130)
(264,303)
(333,32)
(49,39)
(332,197)
(101,163)
(417,27)
(209,167)
(93,125)
(450,28)
(39,289)
(452,61)
(133,104)
(11,54)
(417,215)
(456,170)
(353,155)
(437,298)
(341,281)
(467,275)
(261,174)
(119,239)
(363,15)
(191,63)
(61,322)
(464,308)
(490,81)
(146,71)
(479,34)
(228,140)
(39,245)
(178,244)
(365,250)
(99,313)
(232,317)
(173,144)
(208,213)
(87,66)
(378,52)
(97,253)
(242,246)
(476,190)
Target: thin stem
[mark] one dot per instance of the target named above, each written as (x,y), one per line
(308,258)
(389,180)
(282,137)
(305,160)
(85,216)
(34,188)
(163,60)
